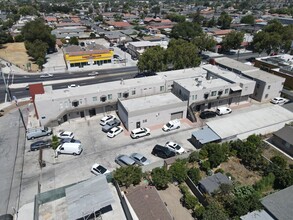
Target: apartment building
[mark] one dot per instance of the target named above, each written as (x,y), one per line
(217,87)
(280,65)
(267,86)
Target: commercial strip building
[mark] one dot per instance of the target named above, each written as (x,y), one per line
(280,65)
(82,57)
(151,110)
(267,86)
(140,101)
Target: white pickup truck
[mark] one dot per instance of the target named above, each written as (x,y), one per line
(171,125)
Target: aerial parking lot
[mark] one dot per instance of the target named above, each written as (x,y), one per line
(98,148)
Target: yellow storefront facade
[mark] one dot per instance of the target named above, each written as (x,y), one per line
(84,59)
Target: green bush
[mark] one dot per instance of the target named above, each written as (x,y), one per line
(194,175)
(205,165)
(178,170)
(203,154)
(125,176)
(220,170)
(193,157)
(160,178)
(190,201)
(55,142)
(265,183)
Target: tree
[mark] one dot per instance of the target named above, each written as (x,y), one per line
(55,142)
(197,18)
(18,38)
(152,60)
(125,176)
(194,175)
(27,10)
(284,178)
(186,30)
(214,211)
(156,10)
(99,18)
(233,40)
(40,62)
(73,41)
(36,49)
(178,170)
(190,201)
(280,162)
(182,54)
(224,20)
(176,17)
(248,19)
(193,157)
(204,42)
(212,22)
(160,178)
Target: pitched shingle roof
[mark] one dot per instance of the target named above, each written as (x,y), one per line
(147,203)
(286,134)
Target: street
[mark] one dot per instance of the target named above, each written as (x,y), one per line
(107,75)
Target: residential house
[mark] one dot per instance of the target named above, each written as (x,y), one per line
(137,48)
(147,204)
(211,184)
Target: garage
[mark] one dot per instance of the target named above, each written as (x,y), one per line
(151,110)
(176,115)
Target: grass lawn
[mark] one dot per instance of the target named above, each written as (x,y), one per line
(239,172)
(16,53)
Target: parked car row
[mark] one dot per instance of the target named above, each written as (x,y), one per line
(111,125)
(219,111)
(135,158)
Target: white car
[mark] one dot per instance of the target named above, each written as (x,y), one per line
(114,131)
(47,75)
(279,100)
(73,86)
(98,169)
(106,119)
(176,148)
(94,73)
(65,135)
(140,132)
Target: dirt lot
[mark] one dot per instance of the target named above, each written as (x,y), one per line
(16,53)
(239,172)
(171,197)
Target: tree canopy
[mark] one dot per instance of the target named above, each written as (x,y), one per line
(125,176)
(233,40)
(160,178)
(248,19)
(152,60)
(186,30)
(224,20)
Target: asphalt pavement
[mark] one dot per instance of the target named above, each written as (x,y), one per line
(62,80)
(12,144)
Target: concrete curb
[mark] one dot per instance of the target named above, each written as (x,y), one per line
(45,83)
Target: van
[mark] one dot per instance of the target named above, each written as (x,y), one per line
(69,148)
(33,133)
(171,125)
(223,111)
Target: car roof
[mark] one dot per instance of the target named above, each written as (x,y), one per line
(137,155)
(137,130)
(126,159)
(66,132)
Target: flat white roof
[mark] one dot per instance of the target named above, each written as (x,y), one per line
(182,73)
(250,121)
(226,74)
(101,87)
(148,43)
(234,64)
(147,102)
(248,70)
(194,85)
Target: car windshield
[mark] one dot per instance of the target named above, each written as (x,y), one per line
(45,128)
(177,147)
(168,124)
(101,169)
(143,159)
(111,131)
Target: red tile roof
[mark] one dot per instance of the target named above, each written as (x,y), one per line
(119,24)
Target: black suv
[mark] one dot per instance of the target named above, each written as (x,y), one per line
(207,114)
(111,124)
(40,144)
(162,152)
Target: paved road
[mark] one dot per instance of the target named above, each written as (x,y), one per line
(12,143)
(104,76)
